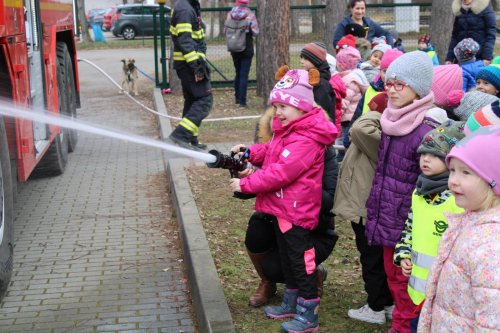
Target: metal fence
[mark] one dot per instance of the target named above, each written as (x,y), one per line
(307,24)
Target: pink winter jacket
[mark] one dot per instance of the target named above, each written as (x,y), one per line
(339,89)
(463,287)
(356,83)
(288,185)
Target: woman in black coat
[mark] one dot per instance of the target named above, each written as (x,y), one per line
(473,19)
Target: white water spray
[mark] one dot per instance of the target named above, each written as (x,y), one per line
(9,110)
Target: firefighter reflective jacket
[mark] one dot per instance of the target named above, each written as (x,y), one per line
(188,35)
(428,226)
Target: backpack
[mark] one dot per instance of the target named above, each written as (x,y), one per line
(236,35)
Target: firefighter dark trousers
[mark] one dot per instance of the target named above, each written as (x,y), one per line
(297,259)
(197,104)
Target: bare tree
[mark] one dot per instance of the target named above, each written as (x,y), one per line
(334,13)
(84,27)
(273,45)
(441,26)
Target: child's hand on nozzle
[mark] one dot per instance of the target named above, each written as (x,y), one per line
(235,184)
(245,173)
(237,149)
(406,267)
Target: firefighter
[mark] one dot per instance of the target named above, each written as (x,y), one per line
(187,31)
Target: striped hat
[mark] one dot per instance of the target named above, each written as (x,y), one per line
(315,53)
(486,116)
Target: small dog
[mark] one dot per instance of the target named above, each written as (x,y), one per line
(130,77)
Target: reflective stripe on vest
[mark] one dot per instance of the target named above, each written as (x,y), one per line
(186,27)
(189,57)
(369,94)
(431,54)
(428,226)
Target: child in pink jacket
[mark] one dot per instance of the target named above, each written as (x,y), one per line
(289,187)
(355,82)
(463,286)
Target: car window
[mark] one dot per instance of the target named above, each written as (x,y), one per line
(132,11)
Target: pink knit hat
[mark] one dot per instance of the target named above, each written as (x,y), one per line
(475,151)
(294,89)
(454,97)
(348,58)
(446,79)
(242,2)
(389,57)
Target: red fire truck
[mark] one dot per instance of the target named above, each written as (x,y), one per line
(38,72)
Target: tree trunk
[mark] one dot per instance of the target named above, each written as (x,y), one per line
(294,23)
(335,12)
(84,28)
(441,26)
(318,18)
(273,46)
(222,18)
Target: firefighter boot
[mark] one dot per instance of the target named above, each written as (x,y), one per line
(182,137)
(197,144)
(306,319)
(287,307)
(266,288)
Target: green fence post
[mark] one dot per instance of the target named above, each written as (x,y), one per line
(163,59)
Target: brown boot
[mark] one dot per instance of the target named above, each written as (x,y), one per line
(321,274)
(266,288)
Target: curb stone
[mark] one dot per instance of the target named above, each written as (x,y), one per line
(210,305)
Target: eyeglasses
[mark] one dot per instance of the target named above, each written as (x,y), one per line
(398,86)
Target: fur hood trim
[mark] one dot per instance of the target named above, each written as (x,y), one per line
(477,6)
(264,131)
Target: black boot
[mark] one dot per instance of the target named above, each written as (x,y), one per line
(197,144)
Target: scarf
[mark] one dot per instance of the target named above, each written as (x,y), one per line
(402,121)
(427,185)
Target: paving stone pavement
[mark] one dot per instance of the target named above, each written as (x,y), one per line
(97,248)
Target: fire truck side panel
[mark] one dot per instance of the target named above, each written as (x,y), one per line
(11,17)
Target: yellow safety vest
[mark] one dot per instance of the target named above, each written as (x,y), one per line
(369,94)
(431,54)
(428,226)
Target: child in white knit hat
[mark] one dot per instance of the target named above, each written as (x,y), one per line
(371,68)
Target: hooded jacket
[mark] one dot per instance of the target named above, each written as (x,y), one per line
(323,92)
(356,83)
(463,287)
(358,168)
(244,13)
(478,23)
(289,184)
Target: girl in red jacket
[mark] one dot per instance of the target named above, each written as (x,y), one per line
(288,187)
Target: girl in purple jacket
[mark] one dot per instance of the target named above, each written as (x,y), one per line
(404,124)
(289,187)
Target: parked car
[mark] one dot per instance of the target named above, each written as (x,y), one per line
(106,24)
(135,20)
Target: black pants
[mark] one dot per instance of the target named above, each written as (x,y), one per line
(197,100)
(260,238)
(372,267)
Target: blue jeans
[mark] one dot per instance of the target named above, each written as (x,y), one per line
(242,68)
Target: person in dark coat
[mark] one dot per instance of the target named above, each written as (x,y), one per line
(313,55)
(473,19)
(372,29)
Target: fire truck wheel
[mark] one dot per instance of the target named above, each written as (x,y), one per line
(6,214)
(54,161)
(69,110)
(128,32)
